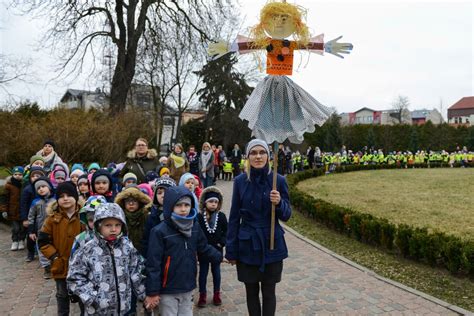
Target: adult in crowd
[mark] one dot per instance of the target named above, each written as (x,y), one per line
(177,163)
(258,267)
(193,158)
(236,158)
(140,160)
(281,168)
(49,155)
(310,154)
(206,165)
(215,151)
(222,159)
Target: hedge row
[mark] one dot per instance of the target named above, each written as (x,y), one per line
(434,248)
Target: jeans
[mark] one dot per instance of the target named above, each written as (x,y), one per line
(62,297)
(18,231)
(207,181)
(176,304)
(203,272)
(44,262)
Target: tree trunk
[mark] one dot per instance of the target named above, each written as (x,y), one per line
(123,76)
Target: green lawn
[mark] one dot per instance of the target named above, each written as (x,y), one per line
(440,199)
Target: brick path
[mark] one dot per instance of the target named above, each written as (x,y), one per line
(314,283)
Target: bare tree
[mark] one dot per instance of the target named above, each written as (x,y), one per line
(400,109)
(80,28)
(12,69)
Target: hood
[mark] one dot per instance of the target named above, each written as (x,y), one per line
(205,192)
(53,207)
(60,166)
(151,154)
(133,192)
(101,172)
(172,195)
(185,178)
(109,210)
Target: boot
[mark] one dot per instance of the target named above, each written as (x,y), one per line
(217,298)
(14,246)
(202,300)
(47,273)
(21,245)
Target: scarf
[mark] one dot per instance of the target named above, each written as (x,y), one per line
(178,160)
(259,175)
(136,225)
(184,224)
(205,157)
(48,158)
(16,182)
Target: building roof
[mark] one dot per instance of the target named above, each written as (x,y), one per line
(419,114)
(77,93)
(364,109)
(464,103)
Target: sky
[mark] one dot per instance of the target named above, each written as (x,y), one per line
(419,49)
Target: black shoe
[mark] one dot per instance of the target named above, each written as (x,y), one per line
(29,258)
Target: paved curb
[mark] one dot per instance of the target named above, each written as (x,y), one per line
(433,299)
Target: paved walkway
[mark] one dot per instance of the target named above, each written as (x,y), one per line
(314,283)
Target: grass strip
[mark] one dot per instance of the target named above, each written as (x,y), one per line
(433,281)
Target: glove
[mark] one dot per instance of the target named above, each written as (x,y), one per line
(5,215)
(218,49)
(74,298)
(335,48)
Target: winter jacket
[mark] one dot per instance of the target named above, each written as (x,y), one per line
(171,262)
(136,220)
(37,214)
(12,199)
(193,159)
(103,275)
(217,239)
(248,235)
(147,163)
(156,216)
(56,237)
(27,196)
(209,167)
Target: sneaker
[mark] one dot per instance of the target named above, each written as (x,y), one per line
(14,246)
(202,300)
(47,273)
(21,245)
(216,300)
(29,258)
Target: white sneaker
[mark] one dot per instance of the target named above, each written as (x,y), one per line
(14,246)
(21,245)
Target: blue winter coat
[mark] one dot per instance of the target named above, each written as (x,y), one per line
(156,217)
(248,233)
(171,259)
(27,196)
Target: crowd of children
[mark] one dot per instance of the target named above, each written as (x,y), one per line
(110,245)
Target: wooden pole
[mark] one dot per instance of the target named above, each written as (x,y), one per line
(275,169)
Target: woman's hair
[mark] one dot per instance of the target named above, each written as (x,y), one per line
(301,34)
(206,144)
(247,166)
(178,145)
(141,139)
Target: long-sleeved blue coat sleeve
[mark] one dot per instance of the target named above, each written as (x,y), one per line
(232,243)
(154,263)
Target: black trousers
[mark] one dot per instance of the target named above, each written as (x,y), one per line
(62,297)
(268,306)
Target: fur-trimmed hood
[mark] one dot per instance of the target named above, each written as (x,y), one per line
(151,154)
(144,200)
(214,189)
(53,208)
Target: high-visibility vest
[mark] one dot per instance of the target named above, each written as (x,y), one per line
(227,167)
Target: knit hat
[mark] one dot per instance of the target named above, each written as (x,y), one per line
(49,142)
(151,176)
(163,171)
(60,174)
(77,166)
(35,158)
(184,200)
(68,188)
(102,178)
(129,176)
(77,172)
(18,169)
(257,142)
(35,170)
(93,165)
(83,178)
(212,196)
(41,181)
(164,182)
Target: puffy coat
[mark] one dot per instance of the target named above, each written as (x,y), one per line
(147,163)
(171,262)
(57,236)
(102,274)
(12,199)
(248,234)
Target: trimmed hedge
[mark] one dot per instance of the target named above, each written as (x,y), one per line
(433,248)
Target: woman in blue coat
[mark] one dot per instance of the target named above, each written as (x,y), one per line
(248,235)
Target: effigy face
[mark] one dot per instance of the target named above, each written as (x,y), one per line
(279,26)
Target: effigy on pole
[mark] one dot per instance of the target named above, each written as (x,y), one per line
(278,109)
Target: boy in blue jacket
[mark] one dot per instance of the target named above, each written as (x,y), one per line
(171,263)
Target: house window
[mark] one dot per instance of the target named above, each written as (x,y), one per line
(455,120)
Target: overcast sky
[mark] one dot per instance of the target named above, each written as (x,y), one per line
(419,49)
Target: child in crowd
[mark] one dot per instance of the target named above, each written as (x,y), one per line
(11,207)
(151,177)
(171,262)
(187,180)
(198,187)
(93,167)
(37,215)
(129,178)
(164,172)
(27,196)
(227,170)
(156,212)
(57,176)
(75,174)
(57,236)
(114,171)
(104,273)
(35,161)
(214,225)
(146,188)
(101,184)
(83,189)
(135,204)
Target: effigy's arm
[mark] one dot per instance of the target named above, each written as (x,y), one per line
(241,45)
(316,45)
